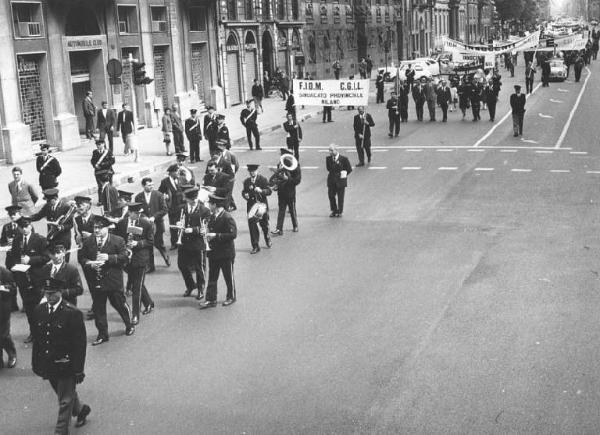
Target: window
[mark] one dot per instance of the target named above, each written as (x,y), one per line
(232,10)
(308,12)
(159,18)
(198,19)
(27,18)
(266,9)
(281,9)
(249,9)
(128,22)
(295,10)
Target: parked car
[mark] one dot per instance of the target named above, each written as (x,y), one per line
(558,70)
(421,70)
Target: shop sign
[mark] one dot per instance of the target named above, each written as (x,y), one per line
(84,44)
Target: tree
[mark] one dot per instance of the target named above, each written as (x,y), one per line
(510,9)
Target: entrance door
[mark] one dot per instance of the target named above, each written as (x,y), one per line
(267,53)
(251,72)
(233,71)
(79,91)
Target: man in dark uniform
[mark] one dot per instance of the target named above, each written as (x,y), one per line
(9,233)
(171,189)
(29,249)
(184,174)
(444,98)
(393,109)
(177,129)
(339,168)
(48,167)
(294,135)
(109,195)
(362,135)
(284,181)
(222,232)
(248,118)
(191,256)
(105,256)
(379,83)
(59,217)
(139,234)
(83,225)
(193,131)
(256,189)
(58,354)
(102,161)
(67,275)
(216,182)
(210,129)
(222,133)
(517,104)
(8,290)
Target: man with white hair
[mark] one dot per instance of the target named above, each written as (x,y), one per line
(339,168)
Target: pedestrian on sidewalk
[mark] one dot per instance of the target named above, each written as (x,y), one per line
(266,83)
(89,111)
(362,68)
(393,108)
(337,67)
(379,83)
(338,168)
(21,192)
(9,233)
(125,126)
(210,130)
(517,104)
(58,354)
(102,161)
(370,67)
(248,118)
(105,122)
(284,85)
(362,135)
(418,94)
(444,98)
(167,129)
(8,293)
(177,129)
(193,131)
(257,94)
(284,181)
(48,167)
(293,135)
(256,189)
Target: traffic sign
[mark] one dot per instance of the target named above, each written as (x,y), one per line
(114,68)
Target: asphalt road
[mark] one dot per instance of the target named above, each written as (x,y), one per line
(458,294)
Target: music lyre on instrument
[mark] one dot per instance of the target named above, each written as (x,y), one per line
(132,231)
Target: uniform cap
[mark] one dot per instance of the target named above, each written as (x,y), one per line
(24,221)
(252,167)
(80,199)
(193,111)
(101,221)
(217,200)
(191,192)
(12,209)
(52,285)
(44,146)
(50,193)
(181,156)
(135,206)
(124,195)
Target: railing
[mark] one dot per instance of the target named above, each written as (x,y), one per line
(30,28)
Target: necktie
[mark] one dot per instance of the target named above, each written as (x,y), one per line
(50,310)
(25,243)
(54,270)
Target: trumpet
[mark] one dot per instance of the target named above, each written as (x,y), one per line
(52,232)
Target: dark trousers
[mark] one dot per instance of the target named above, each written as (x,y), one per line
(333,192)
(68,402)
(444,107)
(159,244)
(6,342)
(173,219)
(327,113)
(178,141)
(379,96)
(336,73)
(577,74)
(118,302)
(294,146)
(89,127)
(419,109)
(252,130)
(492,109)
(139,292)
(362,146)
(529,86)
(285,92)
(431,108)
(190,263)
(212,146)
(107,134)
(30,295)
(253,225)
(394,124)
(404,113)
(194,150)
(215,266)
(475,107)
(517,123)
(290,204)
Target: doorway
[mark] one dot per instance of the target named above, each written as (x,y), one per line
(87,74)
(267,53)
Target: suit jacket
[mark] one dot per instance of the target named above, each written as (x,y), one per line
(111,273)
(140,253)
(253,197)
(430,94)
(222,246)
(107,162)
(62,233)
(222,134)
(517,103)
(294,133)
(109,199)
(105,124)
(290,104)
(68,274)
(358,125)
(9,233)
(49,171)
(194,242)
(392,106)
(257,91)
(8,281)
(248,117)
(444,95)
(418,93)
(193,131)
(89,109)
(24,196)
(221,181)
(125,122)
(173,195)
(210,127)
(156,208)
(59,341)
(287,188)
(335,167)
(176,121)
(37,250)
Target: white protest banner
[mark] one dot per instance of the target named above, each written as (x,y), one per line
(331,92)
(528,41)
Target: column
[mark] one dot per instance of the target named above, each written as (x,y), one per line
(147,51)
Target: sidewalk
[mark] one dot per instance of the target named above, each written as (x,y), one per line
(78,176)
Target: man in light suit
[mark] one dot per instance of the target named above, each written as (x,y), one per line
(89,110)
(339,168)
(154,207)
(63,273)
(106,124)
(21,192)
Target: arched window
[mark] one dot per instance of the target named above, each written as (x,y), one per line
(232,10)
(281,9)
(232,42)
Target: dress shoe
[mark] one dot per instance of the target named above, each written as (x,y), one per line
(339,215)
(369,160)
(199,296)
(187,293)
(255,250)
(390,135)
(258,149)
(268,242)
(228,302)
(148,309)
(333,214)
(130,330)
(12,362)
(29,339)
(135,320)
(81,417)
(99,341)
(295,229)
(208,304)
(168,261)
(358,165)
(277,232)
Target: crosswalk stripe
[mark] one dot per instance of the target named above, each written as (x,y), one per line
(445,150)
(447,168)
(411,168)
(476,150)
(377,167)
(483,169)
(520,170)
(560,171)
(413,151)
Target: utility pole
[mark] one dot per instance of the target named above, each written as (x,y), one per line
(131,60)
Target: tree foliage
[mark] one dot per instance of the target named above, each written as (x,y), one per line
(523,10)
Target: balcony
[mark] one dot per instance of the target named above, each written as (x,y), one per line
(29,29)
(159,26)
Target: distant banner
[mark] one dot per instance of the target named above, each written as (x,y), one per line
(529,41)
(331,92)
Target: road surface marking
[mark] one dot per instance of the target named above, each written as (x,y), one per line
(380,151)
(546,116)
(411,168)
(323,151)
(377,167)
(573,110)
(444,150)
(552,100)
(484,169)
(504,118)
(310,167)
(447,168)
(560,171)
(508,151)
(528,140)
(413,151)
(579,153)
(562,90)
(476,150)
(544,152)
(592,172)
(520,170)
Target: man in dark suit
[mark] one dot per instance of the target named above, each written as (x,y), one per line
(58,354)
(89,111)
(59,217)
(444,97)
(216,182)
(105,122)
(517,104)
(109,195)
(222,133)
(284,181)
(248,118)
(193,131)
(83,225)
(29,249)
(65,274)
(379,84)
(48,167)
(258,94)
(418,93)
(125,125)
(294,135)
(154,207)
(8,290)
(191,258)
(430,98)
(139,234)
(490,97)
(177,129)
(105,256)
(222,232)
(102,161)
(393,109)
(362,135)
(290,105)
(9,233)
(210,129)
(171,189)
(339,168)
(256,189)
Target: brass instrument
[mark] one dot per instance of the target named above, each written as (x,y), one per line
(52,232)
(132,231)
(78,235)
(181,230)
(287,163)
(204,230)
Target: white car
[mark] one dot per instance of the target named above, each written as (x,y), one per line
(421,70)
(558,70)
(429,63)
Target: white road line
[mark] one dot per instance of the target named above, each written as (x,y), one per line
(573,110)
(411,168)
(560,171)
(579,153)
(444,150)
(552,100)
(413,151)
(592,172)
(310,167)
(447,168)
(544,152)
(508,151)
(545,116)
(484,169)
(380,151)
(476,150)
(504,118)
(529,140)
(377,167)
(520,170)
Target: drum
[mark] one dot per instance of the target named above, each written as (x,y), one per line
(257,211)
